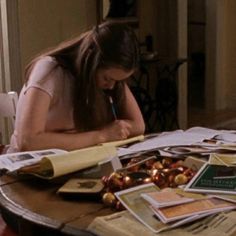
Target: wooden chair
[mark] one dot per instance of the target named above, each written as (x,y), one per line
(8,103)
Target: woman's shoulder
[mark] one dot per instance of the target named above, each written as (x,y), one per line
(43,67)
(46,62)
(45,75)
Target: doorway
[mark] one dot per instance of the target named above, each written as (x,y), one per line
(196,54)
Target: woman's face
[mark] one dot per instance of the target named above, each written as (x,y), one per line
(107,78)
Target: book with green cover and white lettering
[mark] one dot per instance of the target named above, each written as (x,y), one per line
(216,176)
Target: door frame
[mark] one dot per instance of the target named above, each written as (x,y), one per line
(10,63)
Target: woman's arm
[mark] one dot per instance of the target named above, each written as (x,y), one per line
(132,114)
(31,123)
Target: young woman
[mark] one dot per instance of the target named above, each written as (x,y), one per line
(76,94)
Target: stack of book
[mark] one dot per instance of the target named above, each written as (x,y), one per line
(165,209)
(175,205)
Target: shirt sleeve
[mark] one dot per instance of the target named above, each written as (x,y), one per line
(44,76)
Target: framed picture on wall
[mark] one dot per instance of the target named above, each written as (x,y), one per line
(120,10)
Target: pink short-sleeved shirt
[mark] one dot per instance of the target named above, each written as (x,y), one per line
(58,84)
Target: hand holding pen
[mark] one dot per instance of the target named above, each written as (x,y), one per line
(116,130)
(113,107)
(108,93)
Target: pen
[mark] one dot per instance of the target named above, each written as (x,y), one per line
(113,107)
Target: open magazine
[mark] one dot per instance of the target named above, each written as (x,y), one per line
(52,163)
(15,161)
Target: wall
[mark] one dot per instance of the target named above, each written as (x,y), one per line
(221,55)
(147,20)
(230,51)
(44,23)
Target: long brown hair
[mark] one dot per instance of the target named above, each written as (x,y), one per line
(110,44)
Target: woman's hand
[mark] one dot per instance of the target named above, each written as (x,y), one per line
(117,130)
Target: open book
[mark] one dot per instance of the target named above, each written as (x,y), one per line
(14,161)
(57,165)
(52,163)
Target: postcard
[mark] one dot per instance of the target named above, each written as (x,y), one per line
(141,210)
(165,198)
(82,186)
(227,197)
(138,207)
(210,205)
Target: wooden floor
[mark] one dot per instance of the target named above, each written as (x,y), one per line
(5,230)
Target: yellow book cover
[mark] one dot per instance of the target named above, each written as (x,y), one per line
(52,166)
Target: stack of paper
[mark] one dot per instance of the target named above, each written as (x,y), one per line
(174,205)
(165,198)
(199,208)
(123,223)
(159,211)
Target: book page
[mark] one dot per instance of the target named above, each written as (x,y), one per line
(203,132)
(227,197)
(172,138)
(165,198)
(173,213)
(227,137)
(142,211)
(138,207)
(124,224)
(125,141)
(14,161)
(222,159)
(54,166)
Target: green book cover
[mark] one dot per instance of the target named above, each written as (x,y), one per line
(214,178)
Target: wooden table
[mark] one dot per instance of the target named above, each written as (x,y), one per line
(35,207)
(38,210)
